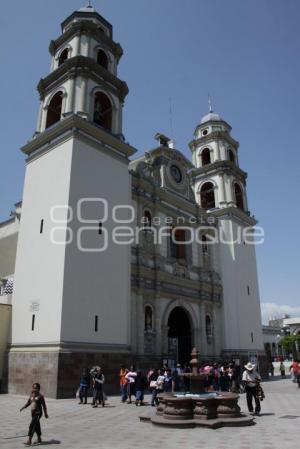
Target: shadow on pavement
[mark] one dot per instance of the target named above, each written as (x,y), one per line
(267,414)
(46,443)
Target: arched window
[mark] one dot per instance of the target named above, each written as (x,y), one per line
(239,200)
(207,196)
(178,246)
(231,156)
(102,111)
(148,318)
(63,56)
(147,220)
(102,58)
(204,244)
(54,109)
(205,156)
(208,328)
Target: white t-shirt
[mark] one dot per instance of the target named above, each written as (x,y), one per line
(249,376)
(130,376)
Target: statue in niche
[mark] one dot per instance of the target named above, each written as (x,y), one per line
(148,318)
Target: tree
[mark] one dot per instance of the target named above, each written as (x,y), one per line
(292,344)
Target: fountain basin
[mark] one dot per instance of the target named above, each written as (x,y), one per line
(211,410)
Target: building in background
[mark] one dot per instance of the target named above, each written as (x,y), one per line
(187,278)
(8,248)
(293,324)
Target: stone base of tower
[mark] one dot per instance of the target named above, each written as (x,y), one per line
(59,372)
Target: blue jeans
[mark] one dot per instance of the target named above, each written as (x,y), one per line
(139,396)
(83,393)
(123,391)
(154,400)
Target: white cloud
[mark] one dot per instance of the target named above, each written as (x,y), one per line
(270,310)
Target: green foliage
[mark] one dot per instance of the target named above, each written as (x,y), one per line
(292,344)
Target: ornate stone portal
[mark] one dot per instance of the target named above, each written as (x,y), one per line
(199,408)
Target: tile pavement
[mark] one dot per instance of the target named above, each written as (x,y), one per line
(73,426)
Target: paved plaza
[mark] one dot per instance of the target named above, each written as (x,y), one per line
(117,426)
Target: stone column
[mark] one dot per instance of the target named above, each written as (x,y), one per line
(202,332)
(82,99)
(218,150)
(216,329)
(164,339)
(77,45)
(70,97)
(221,190)
(119,124)
(197,337)
(133,342)
(139,324)
(40,114)
(229,192)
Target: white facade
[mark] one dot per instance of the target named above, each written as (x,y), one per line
(146,300)
(241,305)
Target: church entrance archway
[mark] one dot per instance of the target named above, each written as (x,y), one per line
(180,335)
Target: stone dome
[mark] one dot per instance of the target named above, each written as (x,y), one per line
(211,117)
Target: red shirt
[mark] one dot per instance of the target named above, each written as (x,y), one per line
(295,367)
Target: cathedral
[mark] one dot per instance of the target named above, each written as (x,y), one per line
(135,271)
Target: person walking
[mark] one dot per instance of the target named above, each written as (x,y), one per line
(298,378)
(38,405)
(130,378)
(282,369)
(98,381)
(294,369)
(123,383)
(140,387)
(251,380)
(152,386)
(84,385)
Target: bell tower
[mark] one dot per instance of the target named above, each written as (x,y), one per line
(220,189)
(72,281)
(83,76)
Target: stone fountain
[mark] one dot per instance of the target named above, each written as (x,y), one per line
(198,408)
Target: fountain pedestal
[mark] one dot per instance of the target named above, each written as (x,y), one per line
(198,408)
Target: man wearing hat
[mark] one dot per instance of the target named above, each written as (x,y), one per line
(251,379)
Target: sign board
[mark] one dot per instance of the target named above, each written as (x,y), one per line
(34,306)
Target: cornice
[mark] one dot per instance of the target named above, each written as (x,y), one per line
(207,282)
(215,135)
(225,166)
(84,66)
(66,346)
(164,199)
(142,280)
(234,212)
(90,29)
(75,124)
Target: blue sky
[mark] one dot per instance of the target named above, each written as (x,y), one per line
(245,53)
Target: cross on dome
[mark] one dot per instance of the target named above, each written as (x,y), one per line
(209,104)
(87,8)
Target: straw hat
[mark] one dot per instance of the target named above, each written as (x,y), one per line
(249,366)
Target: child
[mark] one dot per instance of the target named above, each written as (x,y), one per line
(84,385)
(38,405)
